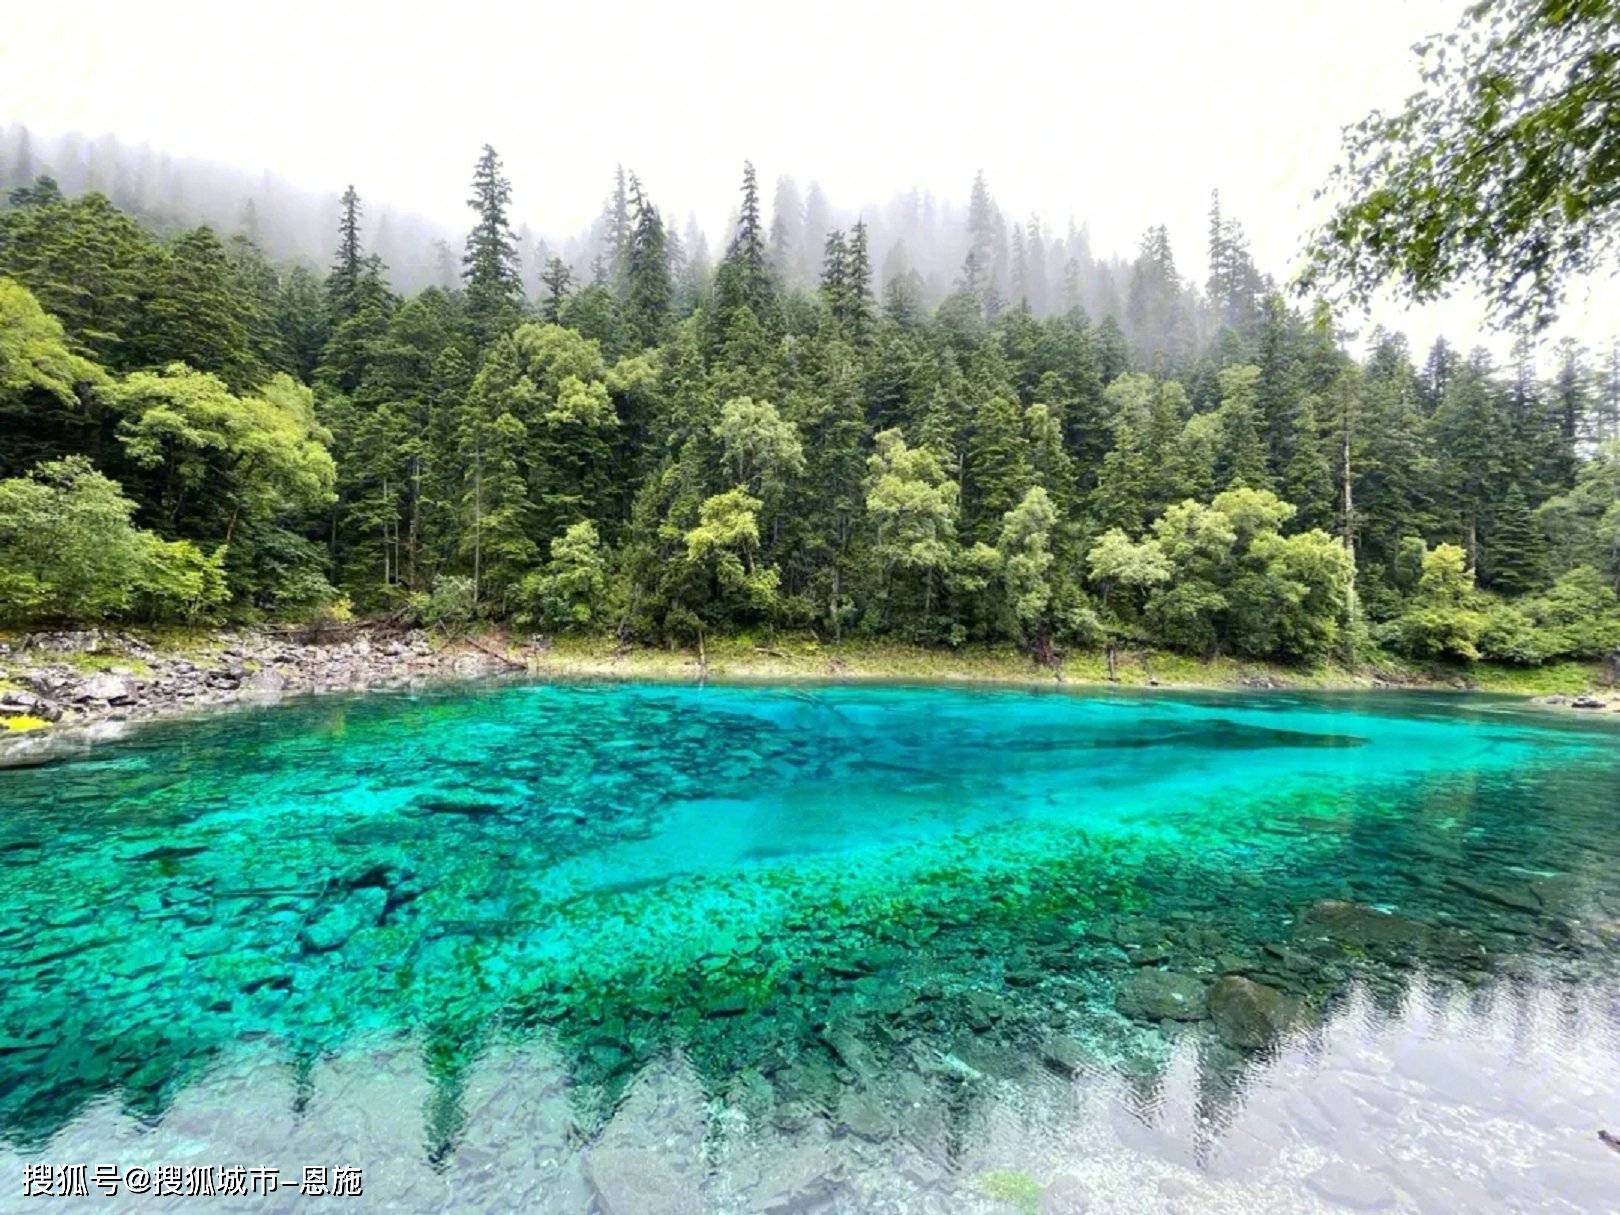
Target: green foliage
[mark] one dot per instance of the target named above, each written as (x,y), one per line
(46,403)
(570,593)
(1501,170)
(676,454)
(68,551)
(451,606)
(1444,619)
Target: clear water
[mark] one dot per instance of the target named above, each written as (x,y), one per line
(642,948)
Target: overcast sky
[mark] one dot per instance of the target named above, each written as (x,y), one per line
(1122,115)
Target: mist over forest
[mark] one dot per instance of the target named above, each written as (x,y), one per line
(920,236)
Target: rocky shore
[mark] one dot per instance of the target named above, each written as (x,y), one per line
(82,685)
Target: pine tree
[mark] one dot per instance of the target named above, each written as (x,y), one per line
(744,279)
(620,231)
(346,265)
(858,288)
(649,291)
(834,272)
(490,263)
(787,227)
(556,278)
(997,465)
(1241,457)
(1516,552)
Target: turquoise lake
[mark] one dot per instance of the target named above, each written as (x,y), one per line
(638,948)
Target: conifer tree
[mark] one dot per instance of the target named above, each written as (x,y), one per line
(347,263)
(490,264)
(649,292)
(556,278)
(1515,555)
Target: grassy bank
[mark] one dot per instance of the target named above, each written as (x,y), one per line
(746,658)
(803,658)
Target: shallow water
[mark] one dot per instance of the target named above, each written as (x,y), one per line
(639,948)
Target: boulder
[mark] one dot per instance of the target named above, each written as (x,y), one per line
(635,1181)
(1161,995)
(861,1114)
(1358,924)
(363,908)
(1249,1014)
(264,683)
(105,686)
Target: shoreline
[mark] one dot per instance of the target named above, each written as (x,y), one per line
(74,688)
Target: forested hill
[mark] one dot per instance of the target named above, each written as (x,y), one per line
(913,234)
(664,449)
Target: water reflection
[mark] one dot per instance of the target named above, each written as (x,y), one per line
(1449,1101)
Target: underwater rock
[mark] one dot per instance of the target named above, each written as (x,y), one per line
(360,910)
(166,852)
(1352,1187)
(861,1114)
(1161,995)
(637,1181)
(1514,898)
(983,1008)
(1135,933)
(1064,1055)
(794,1177)
(849,1050)
(1358,924)
(1249,1014)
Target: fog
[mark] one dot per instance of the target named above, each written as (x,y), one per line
(1095,122)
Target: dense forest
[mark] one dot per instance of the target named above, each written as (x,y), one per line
(810,433)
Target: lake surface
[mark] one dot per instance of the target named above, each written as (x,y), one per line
(633,948)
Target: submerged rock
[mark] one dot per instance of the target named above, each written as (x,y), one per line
(861,1114)
(1161,995)
(1065,1056)
(1358,924)
(637,1181)
(1357,1189)
(1249,1014)
(360,910)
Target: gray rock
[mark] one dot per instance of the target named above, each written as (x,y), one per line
(1064,1055)
(984,1009)
(1358,924)
(1249,1014)
(264,683)
(362,909)
(1161,995)
(634,1181)
(862,1115)
(105,686)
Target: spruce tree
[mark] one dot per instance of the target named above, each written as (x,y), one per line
(649,292)
(346,264)
(858,288)
(556,278)
(1515,554)
(490,264)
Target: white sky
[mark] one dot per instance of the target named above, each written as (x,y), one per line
(1122,115)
